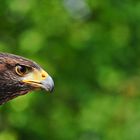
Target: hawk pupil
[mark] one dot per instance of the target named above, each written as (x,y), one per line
(22,69)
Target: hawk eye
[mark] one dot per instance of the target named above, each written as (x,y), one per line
(21,70)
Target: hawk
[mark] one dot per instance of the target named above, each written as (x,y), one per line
(19,75)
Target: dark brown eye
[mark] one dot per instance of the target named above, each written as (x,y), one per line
(21,70)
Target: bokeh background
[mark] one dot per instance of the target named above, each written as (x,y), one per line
(92,50)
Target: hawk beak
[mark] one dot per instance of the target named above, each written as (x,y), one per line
(48,84)
(39,79)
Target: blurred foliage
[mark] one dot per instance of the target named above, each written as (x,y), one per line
(91,49)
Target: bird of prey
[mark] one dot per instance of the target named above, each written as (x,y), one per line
(19,76)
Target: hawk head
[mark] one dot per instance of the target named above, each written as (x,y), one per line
(19,76)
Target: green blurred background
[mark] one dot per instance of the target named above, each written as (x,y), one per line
(92,50)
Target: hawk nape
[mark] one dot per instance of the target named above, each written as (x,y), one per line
(19,75)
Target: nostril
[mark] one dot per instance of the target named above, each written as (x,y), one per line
(43,76)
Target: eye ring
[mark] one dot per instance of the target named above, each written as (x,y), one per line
(21,70)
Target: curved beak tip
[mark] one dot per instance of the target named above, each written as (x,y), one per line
(51,89)
(48,84)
